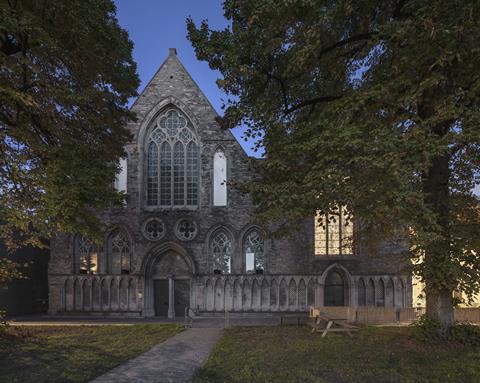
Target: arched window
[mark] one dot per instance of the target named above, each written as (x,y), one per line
(253,251)
(334,236)
(86,259)
(219,178)
(221,250)
(172,162)
(334,289)
(119,252)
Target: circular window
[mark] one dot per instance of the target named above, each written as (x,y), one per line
(186,229)
(154,229)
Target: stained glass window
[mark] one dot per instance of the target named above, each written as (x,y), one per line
(172,162)
(334,236)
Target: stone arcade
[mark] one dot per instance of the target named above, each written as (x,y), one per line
(185,238)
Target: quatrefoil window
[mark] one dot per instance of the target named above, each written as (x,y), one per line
(186,229)
(154,229)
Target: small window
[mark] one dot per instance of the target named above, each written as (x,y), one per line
(121,178)
(219,179)
(86,256)
(334,236)
(253,251)
(221,249)
(119,251)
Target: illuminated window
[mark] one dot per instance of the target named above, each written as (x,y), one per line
(335,235)
(219,179)
(172,162)
(86,256)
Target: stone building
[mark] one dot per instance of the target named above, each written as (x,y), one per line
(186,238)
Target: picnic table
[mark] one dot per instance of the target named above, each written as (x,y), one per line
(298,317)
(324,323)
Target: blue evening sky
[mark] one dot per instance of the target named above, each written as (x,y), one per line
(156,25)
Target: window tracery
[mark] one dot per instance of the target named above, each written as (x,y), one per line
(172,161)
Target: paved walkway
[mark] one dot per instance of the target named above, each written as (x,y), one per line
(173,361)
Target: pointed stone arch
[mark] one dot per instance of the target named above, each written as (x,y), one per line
(219,295)
(348,282)
(370,292)
(96,295)
(380,293)
(209,299)
(282,295)
(273,294)
(390,294)
(361,292)
(237,295)
(265,301)
(246,295)
(256,295)
(311,292)
(399,293)
(105,295)
(302,295)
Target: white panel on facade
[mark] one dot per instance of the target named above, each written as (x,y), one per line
(250,262)
(121,179)
(219,179)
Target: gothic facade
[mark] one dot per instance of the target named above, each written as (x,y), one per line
(185,238)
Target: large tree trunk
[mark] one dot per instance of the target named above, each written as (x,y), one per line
(436,191)
(440,307)
(439,287)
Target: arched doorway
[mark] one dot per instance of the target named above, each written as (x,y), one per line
(334,293)
(168,272)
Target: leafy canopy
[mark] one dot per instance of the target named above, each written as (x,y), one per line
(371,104)
(66,74)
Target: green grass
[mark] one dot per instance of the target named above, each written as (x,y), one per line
(53,354)
(293,354)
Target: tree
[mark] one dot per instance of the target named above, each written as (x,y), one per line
(369,104)
(66,76)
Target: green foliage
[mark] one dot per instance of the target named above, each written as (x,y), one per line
(9,271)
(66,76)
(426,329)
(465,333)
(369,104)
(430,330)
(3,323)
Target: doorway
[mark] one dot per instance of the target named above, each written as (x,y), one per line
(161,297)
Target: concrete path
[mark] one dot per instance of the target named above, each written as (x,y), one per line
(173,361)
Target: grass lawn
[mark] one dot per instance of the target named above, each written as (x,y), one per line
(292,354)
(73,353)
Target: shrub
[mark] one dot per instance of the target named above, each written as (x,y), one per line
(428,330)
(3,323)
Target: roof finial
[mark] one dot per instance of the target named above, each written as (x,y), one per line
(172,51)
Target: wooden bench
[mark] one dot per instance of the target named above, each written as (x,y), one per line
(332,324)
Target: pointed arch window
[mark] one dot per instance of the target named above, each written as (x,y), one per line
(119,252)
(253,250)
(172,162)
(219,178)
(86,256)
(221,250)
(334,236)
